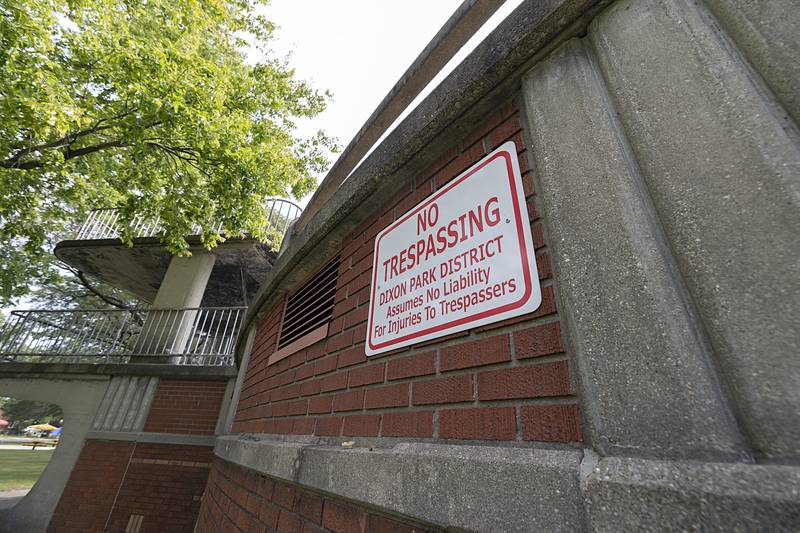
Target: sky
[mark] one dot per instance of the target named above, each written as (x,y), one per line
(358,49)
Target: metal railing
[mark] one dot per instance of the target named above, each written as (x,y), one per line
(192,336)
(105,223)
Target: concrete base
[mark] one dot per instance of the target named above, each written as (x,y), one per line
(489,488)
(484,488)
(626,494)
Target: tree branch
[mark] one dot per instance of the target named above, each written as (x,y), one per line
(65,144)
(110,300)
(68,154)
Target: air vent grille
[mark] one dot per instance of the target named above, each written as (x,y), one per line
(311,306)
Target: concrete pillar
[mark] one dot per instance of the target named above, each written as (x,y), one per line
(721,162)
(169,331)
(642,361)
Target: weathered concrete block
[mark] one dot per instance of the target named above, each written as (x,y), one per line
(643,363)
(639,495)
(478,488)
(724,176)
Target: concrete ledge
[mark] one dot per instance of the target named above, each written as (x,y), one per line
(493,488)
(153,438)
(483,488)
(71,370)
(633,494)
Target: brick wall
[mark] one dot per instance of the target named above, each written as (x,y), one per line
(164,484)
(89,496)
(186,407)
(505,381)
(111,480)
(239,500)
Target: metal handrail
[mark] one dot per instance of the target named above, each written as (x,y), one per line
(105,223)
(189,336)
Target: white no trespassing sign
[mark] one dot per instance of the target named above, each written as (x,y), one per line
(460,259)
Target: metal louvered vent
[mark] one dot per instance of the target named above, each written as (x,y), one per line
(311,306)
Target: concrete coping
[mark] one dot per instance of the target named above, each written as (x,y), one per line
(485,488)
(71,370)
(533,488)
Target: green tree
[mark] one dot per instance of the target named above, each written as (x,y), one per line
(25,413)
(146,105)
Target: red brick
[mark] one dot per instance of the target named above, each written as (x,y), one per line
(450,389)
(288,523)
(297,407)
(527,186)
(316,350)
(268,514)
(356,317)
(543,265)
(550,423)
(414,424)
(333,382)
(538,341)
(308,505)
(537,232)
(487,351)
(305,371)
(343,518)
(352,356)
(366,375)
(340,341)
(363,297)
(533,211)
(413,365)
(321,366)
(283,495)
(329,427)
(310,387)
(303,426)
(320,404)
(490,423)
(534,381)
(175,397)
(386,525)
(308,527)
(388,396)
(345,306)
(362,425)
(348,401)
(419,194)
(505,131)
(359,333)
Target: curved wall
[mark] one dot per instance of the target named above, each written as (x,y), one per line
(656,387)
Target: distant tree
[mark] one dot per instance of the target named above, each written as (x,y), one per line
(24,413)
(150,106)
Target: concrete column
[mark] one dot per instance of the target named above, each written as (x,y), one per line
(642,361)
(168,332)
(721,163)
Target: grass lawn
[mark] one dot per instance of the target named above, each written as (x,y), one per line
(19,469)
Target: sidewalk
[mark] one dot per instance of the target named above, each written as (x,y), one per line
(9,498)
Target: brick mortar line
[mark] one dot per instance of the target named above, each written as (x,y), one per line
(500,365)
